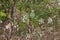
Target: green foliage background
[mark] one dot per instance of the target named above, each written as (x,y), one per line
(42,9)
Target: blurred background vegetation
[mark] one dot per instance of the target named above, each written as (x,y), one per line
(30,14)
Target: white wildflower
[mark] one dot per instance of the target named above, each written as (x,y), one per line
(32,15)
(32,10)
(50,20)
(25,18)
(41,21)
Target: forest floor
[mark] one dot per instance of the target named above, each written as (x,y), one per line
(45,33)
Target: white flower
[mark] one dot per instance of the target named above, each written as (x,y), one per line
(50,20)
(25,18)
(32,15)
(32,10)
(41,21)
